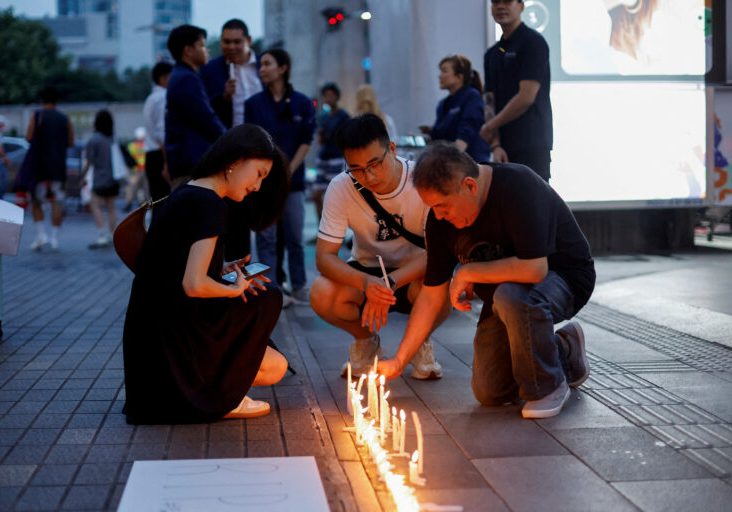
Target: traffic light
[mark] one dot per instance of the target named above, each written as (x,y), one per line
(334,16)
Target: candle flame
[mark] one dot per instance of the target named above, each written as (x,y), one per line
(415,456)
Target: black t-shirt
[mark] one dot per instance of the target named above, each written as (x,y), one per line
(523,217)
(523,56)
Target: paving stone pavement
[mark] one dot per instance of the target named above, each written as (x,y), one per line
(650,430)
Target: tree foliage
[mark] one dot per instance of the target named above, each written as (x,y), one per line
(31,60)
(30,54)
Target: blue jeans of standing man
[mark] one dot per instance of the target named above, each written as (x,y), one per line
(293,220)
(516,352)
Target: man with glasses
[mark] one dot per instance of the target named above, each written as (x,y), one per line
(517,85)
(374,198)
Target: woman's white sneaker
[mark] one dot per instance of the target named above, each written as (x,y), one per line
(249,408)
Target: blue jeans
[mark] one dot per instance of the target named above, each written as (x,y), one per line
(293,220)
(516,353)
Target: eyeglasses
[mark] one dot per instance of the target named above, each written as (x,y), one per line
(360,172)
(504,1)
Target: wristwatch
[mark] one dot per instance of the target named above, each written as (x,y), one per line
(392,283)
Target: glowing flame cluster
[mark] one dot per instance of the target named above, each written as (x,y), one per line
(368,434)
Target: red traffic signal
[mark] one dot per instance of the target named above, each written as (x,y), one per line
(334,16)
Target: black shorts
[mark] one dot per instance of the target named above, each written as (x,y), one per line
(107,191)
(402,304)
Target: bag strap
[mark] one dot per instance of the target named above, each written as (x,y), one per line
(380,211)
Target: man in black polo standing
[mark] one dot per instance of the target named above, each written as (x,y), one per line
(517,77)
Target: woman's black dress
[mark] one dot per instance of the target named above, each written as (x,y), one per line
(189,359)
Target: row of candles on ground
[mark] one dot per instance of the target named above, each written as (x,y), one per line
(376,412)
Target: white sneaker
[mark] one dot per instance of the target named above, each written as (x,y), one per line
(54,244)
(361,354)
(287,301)
(39,243)
(102,241)
(548,406)
(249,408)
(301,295)
(424,364)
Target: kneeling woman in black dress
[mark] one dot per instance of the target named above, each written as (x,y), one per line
(193,344)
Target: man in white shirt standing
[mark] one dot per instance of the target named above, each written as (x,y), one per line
(153,112)
(233,77)
(374,198)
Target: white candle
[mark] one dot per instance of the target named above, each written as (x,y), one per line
(420,441)
(373,401)
(232,71)
(383,272)
(376,363)
(414,471)
(394,429)
(349,388)
(402,431)
(360,383)
(384,412)
(382,419)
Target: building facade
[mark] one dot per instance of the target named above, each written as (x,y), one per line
(116,34)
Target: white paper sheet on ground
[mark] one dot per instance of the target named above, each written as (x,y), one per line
(212,485)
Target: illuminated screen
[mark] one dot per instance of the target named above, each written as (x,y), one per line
(628,98)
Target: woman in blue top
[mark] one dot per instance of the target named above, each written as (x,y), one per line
(289,117)
(461,114)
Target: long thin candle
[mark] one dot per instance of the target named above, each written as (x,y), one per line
(349,389)
(383,272)
(394,429)
(420,441)
(402,431)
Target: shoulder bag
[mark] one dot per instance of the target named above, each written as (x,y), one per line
(130,234)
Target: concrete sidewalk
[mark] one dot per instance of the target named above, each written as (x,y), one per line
(650,430)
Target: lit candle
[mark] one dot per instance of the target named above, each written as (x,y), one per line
(349,388)
(394,429)
(360,383)
(414,470)
(373,399)
(384,415)
(420,441)
(402,431)
(232,71)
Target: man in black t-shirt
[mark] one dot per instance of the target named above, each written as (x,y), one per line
(517,246)
(517,81)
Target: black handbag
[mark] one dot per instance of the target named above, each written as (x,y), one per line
(25,178)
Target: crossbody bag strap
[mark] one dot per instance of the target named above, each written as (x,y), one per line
(380,211)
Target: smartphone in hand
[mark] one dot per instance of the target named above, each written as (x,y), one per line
(250,272)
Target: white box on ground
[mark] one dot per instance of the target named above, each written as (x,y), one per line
(11,223)
(273,484)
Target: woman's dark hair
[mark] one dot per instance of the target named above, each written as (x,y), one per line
(360,131)
(182,36)
(103,123)
(461,65)
(441,167)
(282,58)
(331,86)
(243,142)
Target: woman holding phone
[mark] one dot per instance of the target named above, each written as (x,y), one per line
(193,342)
